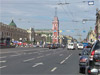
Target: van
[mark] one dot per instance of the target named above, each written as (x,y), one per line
(71,46)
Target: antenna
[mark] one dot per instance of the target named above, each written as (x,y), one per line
(55,11)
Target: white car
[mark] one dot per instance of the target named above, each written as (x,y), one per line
(71,46)
(80,46)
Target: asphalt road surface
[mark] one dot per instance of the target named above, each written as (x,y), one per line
(39,61)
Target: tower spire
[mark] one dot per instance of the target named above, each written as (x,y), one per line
(55,11)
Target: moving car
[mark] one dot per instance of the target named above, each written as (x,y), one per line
(80,46)
(94,60)
(53,46)
(83,61)
(71,46)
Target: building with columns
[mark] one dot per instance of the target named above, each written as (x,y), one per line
(14,33)
(44,35)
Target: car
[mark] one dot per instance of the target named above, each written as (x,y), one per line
(79,46)
(94,60)
(71,46)
(83,61)
(53,46)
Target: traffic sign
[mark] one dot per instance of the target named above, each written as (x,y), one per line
(90,2)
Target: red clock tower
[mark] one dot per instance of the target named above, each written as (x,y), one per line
(55,38)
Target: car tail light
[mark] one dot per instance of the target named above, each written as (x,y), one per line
(97,60)
(92,53)
(89,71)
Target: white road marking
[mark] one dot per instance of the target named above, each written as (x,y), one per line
(40,56)
(14,55)
(37,64)
(65,59)
(53,69)
(41,51)
(35,52)
(24,53)
(48,54)
(62,62)
(2,67)
(29,53)
(3,61)
(2,57)
(61,55)
(28,59)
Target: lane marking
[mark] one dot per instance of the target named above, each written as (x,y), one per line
(24,53)
(28,60)
(2,57)
(40,56)
(35,52)
(61,55)
(37,64)
(53,69)
(62,61)
(48,54)
(3,61)
(29,53)
(14,55)
(65,59)
(2,67)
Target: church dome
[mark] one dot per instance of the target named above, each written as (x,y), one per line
(12,24)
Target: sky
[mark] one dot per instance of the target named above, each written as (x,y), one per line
(39,14)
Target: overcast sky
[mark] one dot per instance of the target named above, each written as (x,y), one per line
(40,13)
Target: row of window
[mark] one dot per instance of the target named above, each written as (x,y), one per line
(5,34)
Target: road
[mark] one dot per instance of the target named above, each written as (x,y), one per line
(39,61)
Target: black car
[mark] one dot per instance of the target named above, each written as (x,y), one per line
(83,61)
(53,46)
(94,60)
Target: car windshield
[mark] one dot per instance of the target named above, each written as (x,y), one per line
(80,45)
(85,52)
(71,44)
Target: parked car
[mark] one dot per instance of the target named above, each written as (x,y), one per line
(83,61)
(94,60)
(79,46)
(71,46)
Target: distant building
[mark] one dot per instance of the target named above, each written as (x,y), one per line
(69,39)
(14,33)
(31,34)
(91,37)
(97,27)
(44,35)
(55,38)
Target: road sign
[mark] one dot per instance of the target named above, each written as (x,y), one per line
(90,2)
